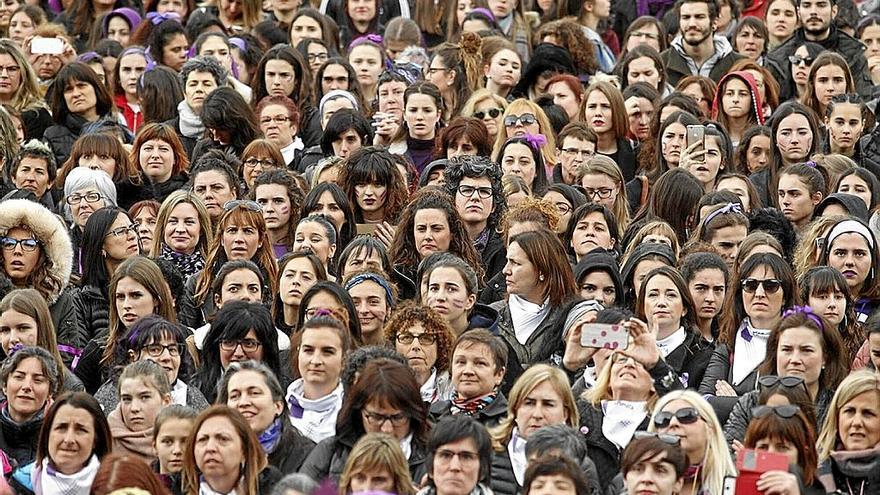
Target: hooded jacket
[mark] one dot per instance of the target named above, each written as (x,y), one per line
(600,262)
(58,251)
(852,204)
(680,65)
(757,105)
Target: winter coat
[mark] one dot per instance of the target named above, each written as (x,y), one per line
(483,316)
(721,368)
(60,137)
(309,159)
(188,143)
(328,459)
(292,450)
(625,157)
(677,67)
(741,415)
(489,416)
(133,120)
(89,370)
(494,255)
(19,440)
(689,360)
(857,474)
(35,122)
(503,479)
(160,191)
(495,289)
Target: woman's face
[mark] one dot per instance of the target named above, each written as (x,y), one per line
(170,444)
(794,138)
(280,77)
(168,361)
(179,7)
(375,480)
(870,38)
(157,159)
(795,199)
(591,232)
(81,210)
(215,47)
(448,294)
(762,304)
(694,436)
(323,300)
(317,54)
(98,162)
(231,9)
(248,393)
(367,63)
(504,68)
(474,372)
(121,241)
(565,98)
(851,256)
(131,67)
(696,92)
(845,125)
(673,142)
(631,377)
(779,446)
(27,389)
(313,236)
(758,153)
(750,43)
(859,422)
(380,417)
(522,124)
(543,406)
(431,231)
(17,329)
(133,301)
(855,185)
(707,170)
(119,30)
(71,439)
(239,353)
(643,69)
(335,77)
(361,11)
(664,304)
(240,242)
(601,188)
(240,285)
(328,207)
(218,449)
(20,27)
(371,305)
(174,52)
(10,78)
(362,259)
(146,219)
(140,403)
(519,160)
(563,207)
(422,356)
(829,81)
(391,98)
(20,263)
(276,205)
(183,230)
(800,353)
(801,70)
(736,186)
(736,100)
(520,273)
(598,113)
(421,116)
(198,86)
(297,277)
(7,7)
(305,27)
(80,98)
(781,18)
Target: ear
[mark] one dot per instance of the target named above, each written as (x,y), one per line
(217,300)
(452,75)
(132,357)
(332,251)
(279,408)
(166,400)
(817,198)
(679,484)
(469,303)
(499,376)
(833,11)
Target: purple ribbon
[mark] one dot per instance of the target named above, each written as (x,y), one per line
(488,13)
(296,410)
(811,164)
(808,312)
(643,7)
(157,18)
(375,38)
(724,210)
(239,43)
(535,140)
(744,332)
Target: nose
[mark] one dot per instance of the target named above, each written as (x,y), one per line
(387,427)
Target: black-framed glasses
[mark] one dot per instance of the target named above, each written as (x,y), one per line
(600,192)
(91,197)
(123,231)
(492,112)
(377,419)
(244,203)
(524,119)
(424,339)
(770,285)
(663,437)
(445,456)
(278,119)
(156,350)
(247,345)
(314,57)
(263,162)
(575,152)
(468,191)
(430,70)
(787,411)
(562,208)
(10,243)
(798,60)
(685,416)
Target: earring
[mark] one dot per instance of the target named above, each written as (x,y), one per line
(541,278)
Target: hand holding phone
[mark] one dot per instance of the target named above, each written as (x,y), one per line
(604,336)
(47,46)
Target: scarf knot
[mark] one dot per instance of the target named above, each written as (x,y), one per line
(470,407)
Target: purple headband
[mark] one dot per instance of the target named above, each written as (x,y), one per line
(239,43)
(811,164)
(806,311)
(157,18)
(375,38)
(724,210)
(535,141)
(488,13)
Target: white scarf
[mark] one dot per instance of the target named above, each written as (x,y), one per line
(622,419)
(53,482)
(205,489)
(178,393)
(671,343)
(406,445)
(526,316)
(191,124)
(516,449)
(429,389)
(749,354)
(318,419)
(289,152)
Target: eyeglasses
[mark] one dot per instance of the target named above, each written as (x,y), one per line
(685,416)
(573,152)
(601,193)
(492,112)
(10,69)
(247,345)
(244,203)
(798,60)
(643,34)
(278,119)
(314,57)
(468,191)
(424,339)
(770,285)
(377,419)
(770,381)
(444,456)
(156,350)
(123,231)
(785,412)
(663,437)
(265,163)
(563,208)
(10,243)
(91,197)
(524,119)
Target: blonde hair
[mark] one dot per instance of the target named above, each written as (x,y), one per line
(518,107)
(171,202)
(375,452)
(857,383)
(601,164)
(718,463)
(602,388)
(834,165)
(657,227)
(512,184)
(806,255)
(479,96)
(535,375)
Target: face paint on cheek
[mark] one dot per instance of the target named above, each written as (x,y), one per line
(457,303)
(284,210)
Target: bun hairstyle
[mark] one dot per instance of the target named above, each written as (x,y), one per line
(466,60)
(470,46)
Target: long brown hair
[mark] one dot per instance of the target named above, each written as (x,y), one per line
(545,251)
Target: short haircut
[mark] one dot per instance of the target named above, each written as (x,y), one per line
(459,427)
(204,64)
(556,465)
(341,122)
(562,438)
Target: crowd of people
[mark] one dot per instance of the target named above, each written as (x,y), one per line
(464,247)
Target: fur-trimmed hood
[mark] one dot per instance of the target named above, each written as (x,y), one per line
(47,227)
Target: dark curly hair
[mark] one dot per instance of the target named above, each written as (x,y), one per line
(411,314)
(475,167)
(773,222)
(373,165)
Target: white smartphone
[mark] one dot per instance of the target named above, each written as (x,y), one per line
(47,46)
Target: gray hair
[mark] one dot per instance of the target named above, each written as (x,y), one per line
(271,380)
(561,438)
(34,149)
(47,361)
(297,482)
(81,178)
(204,64)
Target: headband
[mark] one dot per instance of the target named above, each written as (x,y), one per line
(375,38)
(850,227)
(157,18)
(535,141)
(334,94)
(729,208)
(486,12)
(363,277)
(239,43)
(579,310)
(806,311)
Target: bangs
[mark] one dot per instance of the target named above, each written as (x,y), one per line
(371,172)
(99,144)
(824,282)
(241,216)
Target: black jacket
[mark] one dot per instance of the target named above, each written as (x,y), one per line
(89,370)
(503,480)
(162,190)
(494,255)
(35,122)
(721,368)
(61,137)
(310,158)
(489,416)
(741,415)
(19,441)
(484,316)
(495,289)
(188,143)
(690,360)
(292,450)
(677,67)
(328,459)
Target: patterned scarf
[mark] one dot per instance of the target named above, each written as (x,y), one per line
(471,407)
(188,264)
(271,436)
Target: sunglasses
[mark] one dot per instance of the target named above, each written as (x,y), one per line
(770,285)
(770,381)
(663,437)
(785,412)
(524,119)
(798,60)
(492,112)
(685,416)
(244,203)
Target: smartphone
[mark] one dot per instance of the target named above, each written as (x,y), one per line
(366,228)
(696,134)
(751,464)
(47,46)
(604,336)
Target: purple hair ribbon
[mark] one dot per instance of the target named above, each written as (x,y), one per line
(811,164)
(157,18)
(535,141)
(488,13)
(806,311)
(239,43)
(374,38)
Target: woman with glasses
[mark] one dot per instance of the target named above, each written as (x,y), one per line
(240,331)
(283,72)
(848,439)
(461,458)
(240,235)
(685,414)
(653,464)
(282,148)
(488,107)
(566,199)
(523,117)
(603,183)
(158,155)
(755,301)
(422,336)
(851,249)
(85,191)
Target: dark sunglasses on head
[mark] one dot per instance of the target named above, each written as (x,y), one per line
(524,119)
(492,112)
(785,412)
(244,203)
(685,416)
(769,381)
(770,285)
(663,437)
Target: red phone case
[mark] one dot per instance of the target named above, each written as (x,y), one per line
(751,464)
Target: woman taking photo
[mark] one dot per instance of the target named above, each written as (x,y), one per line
(252,389)
(425,340)
(158,155)
(183,232)
(224,455)
(298,271)
(786,426)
